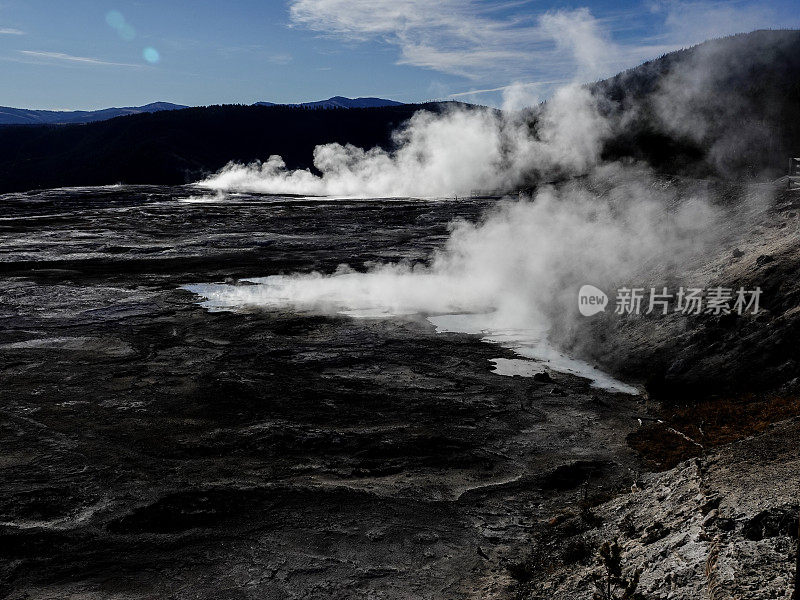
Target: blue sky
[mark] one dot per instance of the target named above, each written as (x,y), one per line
(85,54)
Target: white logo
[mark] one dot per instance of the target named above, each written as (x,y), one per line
(591,300)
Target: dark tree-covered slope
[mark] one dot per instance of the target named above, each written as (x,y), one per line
(729,107)
(182,146)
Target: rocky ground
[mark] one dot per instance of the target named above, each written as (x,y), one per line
(723,525)
(719,517)
(151,448)
(695,356)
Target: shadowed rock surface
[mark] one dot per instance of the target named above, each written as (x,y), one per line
(688,358)
(720,526)
(153,449)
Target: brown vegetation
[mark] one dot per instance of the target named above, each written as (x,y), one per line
(689,430)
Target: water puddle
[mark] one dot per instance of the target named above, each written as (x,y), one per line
(535,351)
(532,345)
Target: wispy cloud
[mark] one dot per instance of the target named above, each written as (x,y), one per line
(493,43)
(503,88)
(69,58)
(460,37)
(11,31)
(490,43)
(280,59)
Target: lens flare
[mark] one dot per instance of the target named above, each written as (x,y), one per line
(151,55)
(115,19)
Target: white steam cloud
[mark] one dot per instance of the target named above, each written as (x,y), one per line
(461,150)
(522,264)
(517,272)
(454,153)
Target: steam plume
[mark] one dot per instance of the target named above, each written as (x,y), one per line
(456,152)
(522,264)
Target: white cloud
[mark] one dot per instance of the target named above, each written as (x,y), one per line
(11,31)
(459,37)
(493,44)
(60,56)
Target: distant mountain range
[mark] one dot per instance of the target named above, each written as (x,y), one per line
(24,116)
(341,102)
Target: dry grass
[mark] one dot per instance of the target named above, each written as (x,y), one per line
(687,431)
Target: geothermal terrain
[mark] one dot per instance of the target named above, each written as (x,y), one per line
(152,448)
